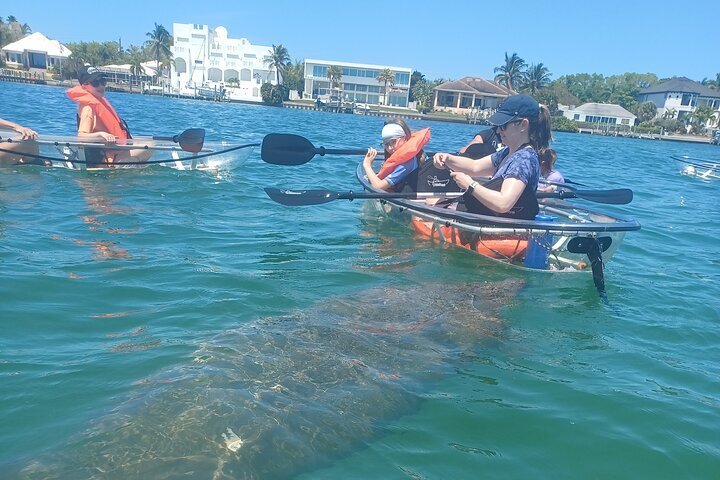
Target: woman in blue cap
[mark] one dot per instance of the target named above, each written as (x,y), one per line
(524,128)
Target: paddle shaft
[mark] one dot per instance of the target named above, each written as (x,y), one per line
(319,197)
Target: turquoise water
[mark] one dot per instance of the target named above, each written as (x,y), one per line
(145,312)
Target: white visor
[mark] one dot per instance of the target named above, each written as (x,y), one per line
(392,130)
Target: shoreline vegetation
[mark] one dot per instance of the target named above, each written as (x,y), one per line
(515,74)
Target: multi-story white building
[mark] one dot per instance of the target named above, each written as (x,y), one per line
(358,83)
(681,97)
(206,59)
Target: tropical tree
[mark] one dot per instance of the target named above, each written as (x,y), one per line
(386,77)
(11,19)
(414,78)
(669,114)
(294,77)
(135,59)
(510,74)
(701,117)
(93,53)
(279,59)
(334,74)
(158,46)
(25,29)
(645,111)
(535,78)
(423,93)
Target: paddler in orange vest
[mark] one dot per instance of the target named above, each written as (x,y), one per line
(98,120)
(403,154)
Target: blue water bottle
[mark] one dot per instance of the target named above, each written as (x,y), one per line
(539,245)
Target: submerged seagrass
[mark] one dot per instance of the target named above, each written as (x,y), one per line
(299,390)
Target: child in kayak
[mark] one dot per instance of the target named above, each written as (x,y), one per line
(548,172)
(403,156)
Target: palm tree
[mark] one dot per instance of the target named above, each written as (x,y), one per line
(334,74)
(279,60)
(535,78)
(136,66)
(387,77)
(25,29)
(11,19)
(510,74)
(158,46)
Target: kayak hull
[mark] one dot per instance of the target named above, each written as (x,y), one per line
(558,244)
(73,152)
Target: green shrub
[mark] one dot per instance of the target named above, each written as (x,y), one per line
(563,124)
(274,94)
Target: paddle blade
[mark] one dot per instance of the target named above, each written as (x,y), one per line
(286,149)
(619,196)
(191,140)
(294,198)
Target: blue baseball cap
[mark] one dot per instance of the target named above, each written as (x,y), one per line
(515,107)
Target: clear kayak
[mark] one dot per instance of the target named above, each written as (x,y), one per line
(186,151)
(564,237)
(698,167)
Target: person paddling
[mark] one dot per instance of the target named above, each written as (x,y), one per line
(524,128)
(98,120)
(484,143)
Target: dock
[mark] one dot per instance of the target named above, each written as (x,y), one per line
(371,112)
(20,76)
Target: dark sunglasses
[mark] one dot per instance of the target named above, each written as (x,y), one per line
(390,142)
(98,82)
(502,128)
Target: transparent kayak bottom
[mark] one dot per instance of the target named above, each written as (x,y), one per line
(547,249)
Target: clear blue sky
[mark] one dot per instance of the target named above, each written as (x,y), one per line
(442,39)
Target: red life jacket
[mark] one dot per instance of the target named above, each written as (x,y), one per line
(405,152)
(106,119)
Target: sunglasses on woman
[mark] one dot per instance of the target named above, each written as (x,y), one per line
(100,81)
(504,127)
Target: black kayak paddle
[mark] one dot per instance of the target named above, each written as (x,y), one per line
(296,198)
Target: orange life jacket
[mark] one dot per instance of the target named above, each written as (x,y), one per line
(405,152)
(106,119)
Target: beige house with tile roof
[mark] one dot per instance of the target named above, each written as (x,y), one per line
(469,94)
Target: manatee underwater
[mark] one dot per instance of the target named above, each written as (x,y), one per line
(280,396)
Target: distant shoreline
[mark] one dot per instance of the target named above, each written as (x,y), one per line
(383,113)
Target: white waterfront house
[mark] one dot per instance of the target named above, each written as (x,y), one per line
(35,51)
(680,96)
(206,59)
(358,84)
(601,113)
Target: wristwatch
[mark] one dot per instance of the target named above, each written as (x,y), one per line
(471,188)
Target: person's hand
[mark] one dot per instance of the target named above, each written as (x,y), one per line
(463,180)
(27,133)
(108,137)
(439,159)
(369,157)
